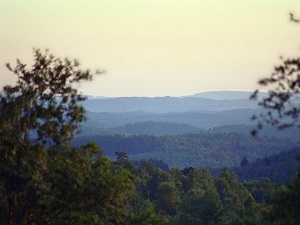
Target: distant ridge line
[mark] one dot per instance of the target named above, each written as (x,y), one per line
(213,95)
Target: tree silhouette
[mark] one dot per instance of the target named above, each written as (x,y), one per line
(282,104)
(43,180)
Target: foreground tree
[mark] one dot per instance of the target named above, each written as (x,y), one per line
(43,180)
(285,208)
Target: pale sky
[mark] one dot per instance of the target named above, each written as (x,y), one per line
(154,47)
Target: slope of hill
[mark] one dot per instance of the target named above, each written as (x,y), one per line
(279,168)
(199,119)
(155,128)
(201,149)
(291,133)
(164,104)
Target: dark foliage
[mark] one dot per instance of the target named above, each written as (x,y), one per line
(282,105)
(155,163)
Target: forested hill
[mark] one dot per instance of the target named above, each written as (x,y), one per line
(156,128)
(200,119)
(279,168)
(199,149)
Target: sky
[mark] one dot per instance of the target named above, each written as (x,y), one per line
(154,47)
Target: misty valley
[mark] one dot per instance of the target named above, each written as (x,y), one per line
(213,131)
(170,113)
(214,158)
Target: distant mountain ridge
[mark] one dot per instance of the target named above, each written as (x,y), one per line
(203,110)
(165,104)
(227,95)
(200,119)
(206,101)
(213,95)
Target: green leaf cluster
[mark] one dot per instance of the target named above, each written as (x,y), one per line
(43,179)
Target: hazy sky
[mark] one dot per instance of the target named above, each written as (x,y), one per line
(154,47)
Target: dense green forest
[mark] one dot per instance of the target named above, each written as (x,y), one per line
(194,196)
(193,149)
(279,168)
